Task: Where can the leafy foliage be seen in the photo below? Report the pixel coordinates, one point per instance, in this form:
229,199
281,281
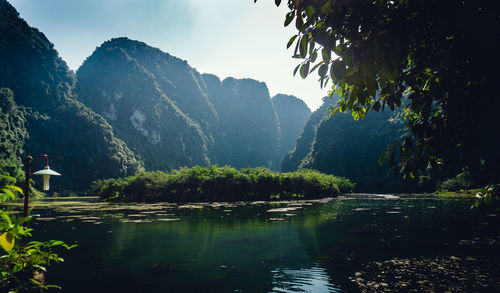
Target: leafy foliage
13,135
435,52
221,184
24,267
490,200
461,181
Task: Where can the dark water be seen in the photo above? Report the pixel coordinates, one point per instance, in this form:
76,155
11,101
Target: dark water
252,247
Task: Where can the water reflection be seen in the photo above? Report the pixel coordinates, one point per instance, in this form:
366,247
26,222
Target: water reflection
314,279
243,247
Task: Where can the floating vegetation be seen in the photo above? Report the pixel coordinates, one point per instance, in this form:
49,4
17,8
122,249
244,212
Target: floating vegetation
442,274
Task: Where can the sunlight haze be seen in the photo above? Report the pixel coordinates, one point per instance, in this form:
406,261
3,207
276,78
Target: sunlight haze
224,37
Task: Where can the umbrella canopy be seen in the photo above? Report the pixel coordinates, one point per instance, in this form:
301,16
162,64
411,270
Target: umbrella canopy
46,176
47,172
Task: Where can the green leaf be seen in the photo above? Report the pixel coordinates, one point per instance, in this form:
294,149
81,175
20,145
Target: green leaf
334,111
338,70
289,17
314,55
312,43
314,67
304,70
303,46
8,193
323,70
277,2
6,218
299,23
326,7
56,242
290,42
16,188
296,69
297,45
310,11
326,54
22,220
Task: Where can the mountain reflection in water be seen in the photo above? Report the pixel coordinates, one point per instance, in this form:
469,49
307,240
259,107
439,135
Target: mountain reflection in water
315,246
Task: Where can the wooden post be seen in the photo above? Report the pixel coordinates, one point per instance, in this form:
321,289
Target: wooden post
29,159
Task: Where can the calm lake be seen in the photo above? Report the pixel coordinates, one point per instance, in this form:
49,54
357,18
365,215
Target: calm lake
336,245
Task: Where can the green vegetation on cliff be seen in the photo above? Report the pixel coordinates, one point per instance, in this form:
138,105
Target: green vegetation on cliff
13,134
116,82
292,160
342,146
200,184
81,142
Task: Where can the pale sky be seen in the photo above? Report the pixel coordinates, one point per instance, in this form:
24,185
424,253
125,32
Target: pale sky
225,37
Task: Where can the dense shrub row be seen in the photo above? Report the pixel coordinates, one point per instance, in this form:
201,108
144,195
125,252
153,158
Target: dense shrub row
200,184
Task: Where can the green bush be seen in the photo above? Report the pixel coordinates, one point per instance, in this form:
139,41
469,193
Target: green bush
221,184
461,181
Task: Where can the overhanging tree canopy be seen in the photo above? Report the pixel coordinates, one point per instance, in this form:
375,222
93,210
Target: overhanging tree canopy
438,53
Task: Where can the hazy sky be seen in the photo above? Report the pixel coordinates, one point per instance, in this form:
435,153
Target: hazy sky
225,37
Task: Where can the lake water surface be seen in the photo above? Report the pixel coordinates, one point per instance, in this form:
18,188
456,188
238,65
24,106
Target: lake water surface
353,243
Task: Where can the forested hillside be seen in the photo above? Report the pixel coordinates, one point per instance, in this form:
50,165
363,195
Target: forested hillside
172,116
82,141
13,134
119,87
345,147
292,160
